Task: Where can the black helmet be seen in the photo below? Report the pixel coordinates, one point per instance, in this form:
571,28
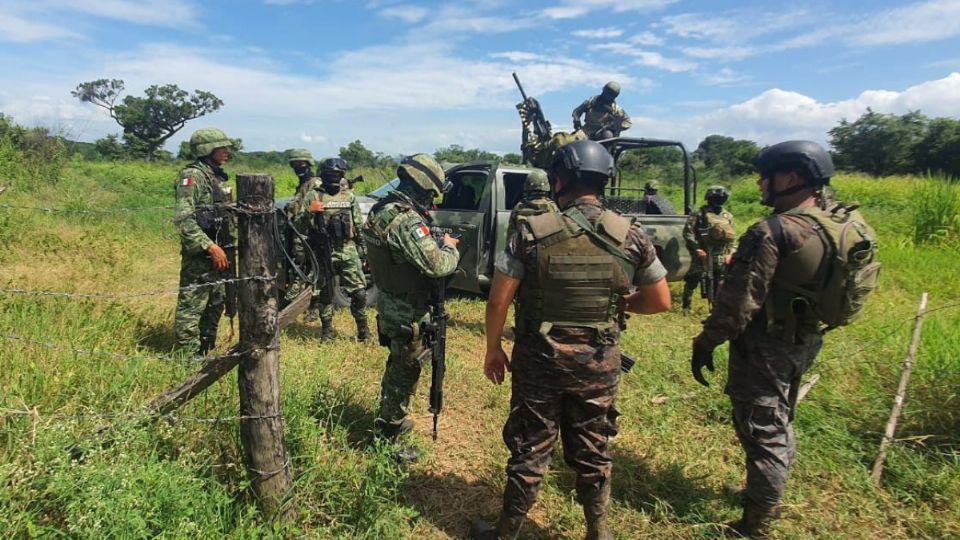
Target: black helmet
717,195
331,165
611,90
806,156
587,160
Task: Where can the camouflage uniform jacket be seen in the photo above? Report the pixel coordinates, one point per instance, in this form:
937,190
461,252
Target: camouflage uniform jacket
530,207
336,204
696,234
399,229
750,280
196,189
600,117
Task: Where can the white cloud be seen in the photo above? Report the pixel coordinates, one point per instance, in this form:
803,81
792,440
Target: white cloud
571,9
308,138
648,39
18,30
725,77
647,58
599,33
406,13
919,22
173,13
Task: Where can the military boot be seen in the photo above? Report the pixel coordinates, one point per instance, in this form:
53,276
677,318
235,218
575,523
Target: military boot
595,512
508,528
358,305
755,523
313,312
687,297
363,330
326,332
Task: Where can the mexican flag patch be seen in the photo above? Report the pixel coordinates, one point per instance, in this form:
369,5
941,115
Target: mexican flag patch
421,231
186,182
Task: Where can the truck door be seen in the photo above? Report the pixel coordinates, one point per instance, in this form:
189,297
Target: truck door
465,210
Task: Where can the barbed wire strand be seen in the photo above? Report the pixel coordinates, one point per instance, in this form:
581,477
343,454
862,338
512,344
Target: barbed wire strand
35,413
116,296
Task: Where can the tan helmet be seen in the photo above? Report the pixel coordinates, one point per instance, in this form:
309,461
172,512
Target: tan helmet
425,172
205,140
300,154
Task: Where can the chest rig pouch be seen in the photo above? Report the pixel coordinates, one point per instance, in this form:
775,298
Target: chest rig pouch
212,219
581,269
339,220
397,277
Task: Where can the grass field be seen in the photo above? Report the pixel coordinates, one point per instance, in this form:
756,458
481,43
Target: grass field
69,367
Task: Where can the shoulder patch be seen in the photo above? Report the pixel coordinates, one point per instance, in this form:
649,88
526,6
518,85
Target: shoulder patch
420,230
186,181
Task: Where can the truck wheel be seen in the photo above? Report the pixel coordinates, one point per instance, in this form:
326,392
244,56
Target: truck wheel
342,299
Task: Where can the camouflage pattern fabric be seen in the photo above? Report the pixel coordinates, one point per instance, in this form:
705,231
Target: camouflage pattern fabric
198,311
766,363
695,239
564,382
540,153
407,238
600,117
346,255
530,207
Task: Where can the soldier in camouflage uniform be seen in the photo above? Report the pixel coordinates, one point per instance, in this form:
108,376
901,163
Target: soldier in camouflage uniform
331,215
709,234
206,236
570,273
301,161
536,199
604,118
404,259
538,149
774,334
653,203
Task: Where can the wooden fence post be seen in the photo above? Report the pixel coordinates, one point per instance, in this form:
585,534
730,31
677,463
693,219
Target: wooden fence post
891,428
261,424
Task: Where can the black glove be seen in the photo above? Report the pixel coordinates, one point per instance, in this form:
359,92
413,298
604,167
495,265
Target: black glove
576,124
702,357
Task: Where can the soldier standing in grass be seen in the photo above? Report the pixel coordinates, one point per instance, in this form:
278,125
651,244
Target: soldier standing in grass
206,238
570,272
332,212
770,309
404,261
301,161
604,118
709,234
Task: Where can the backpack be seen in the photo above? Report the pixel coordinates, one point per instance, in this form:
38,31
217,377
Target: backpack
852,270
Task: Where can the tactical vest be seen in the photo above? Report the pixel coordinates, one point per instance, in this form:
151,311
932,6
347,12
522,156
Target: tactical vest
338,215
213,219
830,277
397,277
716,231
581,270
536,206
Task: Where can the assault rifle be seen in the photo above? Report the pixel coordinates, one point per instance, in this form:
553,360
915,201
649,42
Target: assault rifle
229,245
434,336
541,128
626,362
712,277
320,242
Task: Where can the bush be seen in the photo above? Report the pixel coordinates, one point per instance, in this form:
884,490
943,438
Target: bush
936,213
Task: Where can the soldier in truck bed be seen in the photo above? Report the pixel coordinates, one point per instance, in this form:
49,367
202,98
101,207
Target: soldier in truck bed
604,118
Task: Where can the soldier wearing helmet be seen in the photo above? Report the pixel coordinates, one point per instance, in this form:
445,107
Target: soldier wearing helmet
773,332
330,217
535,199
604,118
709,234
405,259
570,271
653,203
206,238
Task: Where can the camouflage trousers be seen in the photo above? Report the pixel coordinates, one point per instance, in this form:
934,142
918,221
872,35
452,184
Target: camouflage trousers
398,326
198,310
763,380
563,385
348,266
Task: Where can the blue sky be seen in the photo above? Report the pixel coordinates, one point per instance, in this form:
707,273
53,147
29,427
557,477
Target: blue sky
409,76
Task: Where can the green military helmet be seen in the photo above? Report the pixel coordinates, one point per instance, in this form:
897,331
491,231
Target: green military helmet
300,154
425,172
652,186
611,90
536,183
205,140
717,195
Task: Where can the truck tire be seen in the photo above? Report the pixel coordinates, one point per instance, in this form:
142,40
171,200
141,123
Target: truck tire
342,300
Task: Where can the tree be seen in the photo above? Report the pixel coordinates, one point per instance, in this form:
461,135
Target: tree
457,154
512,157
727,156
358,155
109,148
939,148
148,121
879,144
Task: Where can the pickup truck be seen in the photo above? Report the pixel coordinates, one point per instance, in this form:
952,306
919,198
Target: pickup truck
483,194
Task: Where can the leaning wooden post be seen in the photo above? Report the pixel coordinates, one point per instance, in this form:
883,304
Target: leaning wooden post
261,424
901,393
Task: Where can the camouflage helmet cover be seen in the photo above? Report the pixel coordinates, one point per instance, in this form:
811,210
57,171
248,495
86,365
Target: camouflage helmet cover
536,182
611,90
300,154
717,194
205,140
425,172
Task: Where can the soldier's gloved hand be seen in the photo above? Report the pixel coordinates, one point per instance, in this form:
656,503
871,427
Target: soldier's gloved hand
701,253
702,358
576,123
218,257
316,206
